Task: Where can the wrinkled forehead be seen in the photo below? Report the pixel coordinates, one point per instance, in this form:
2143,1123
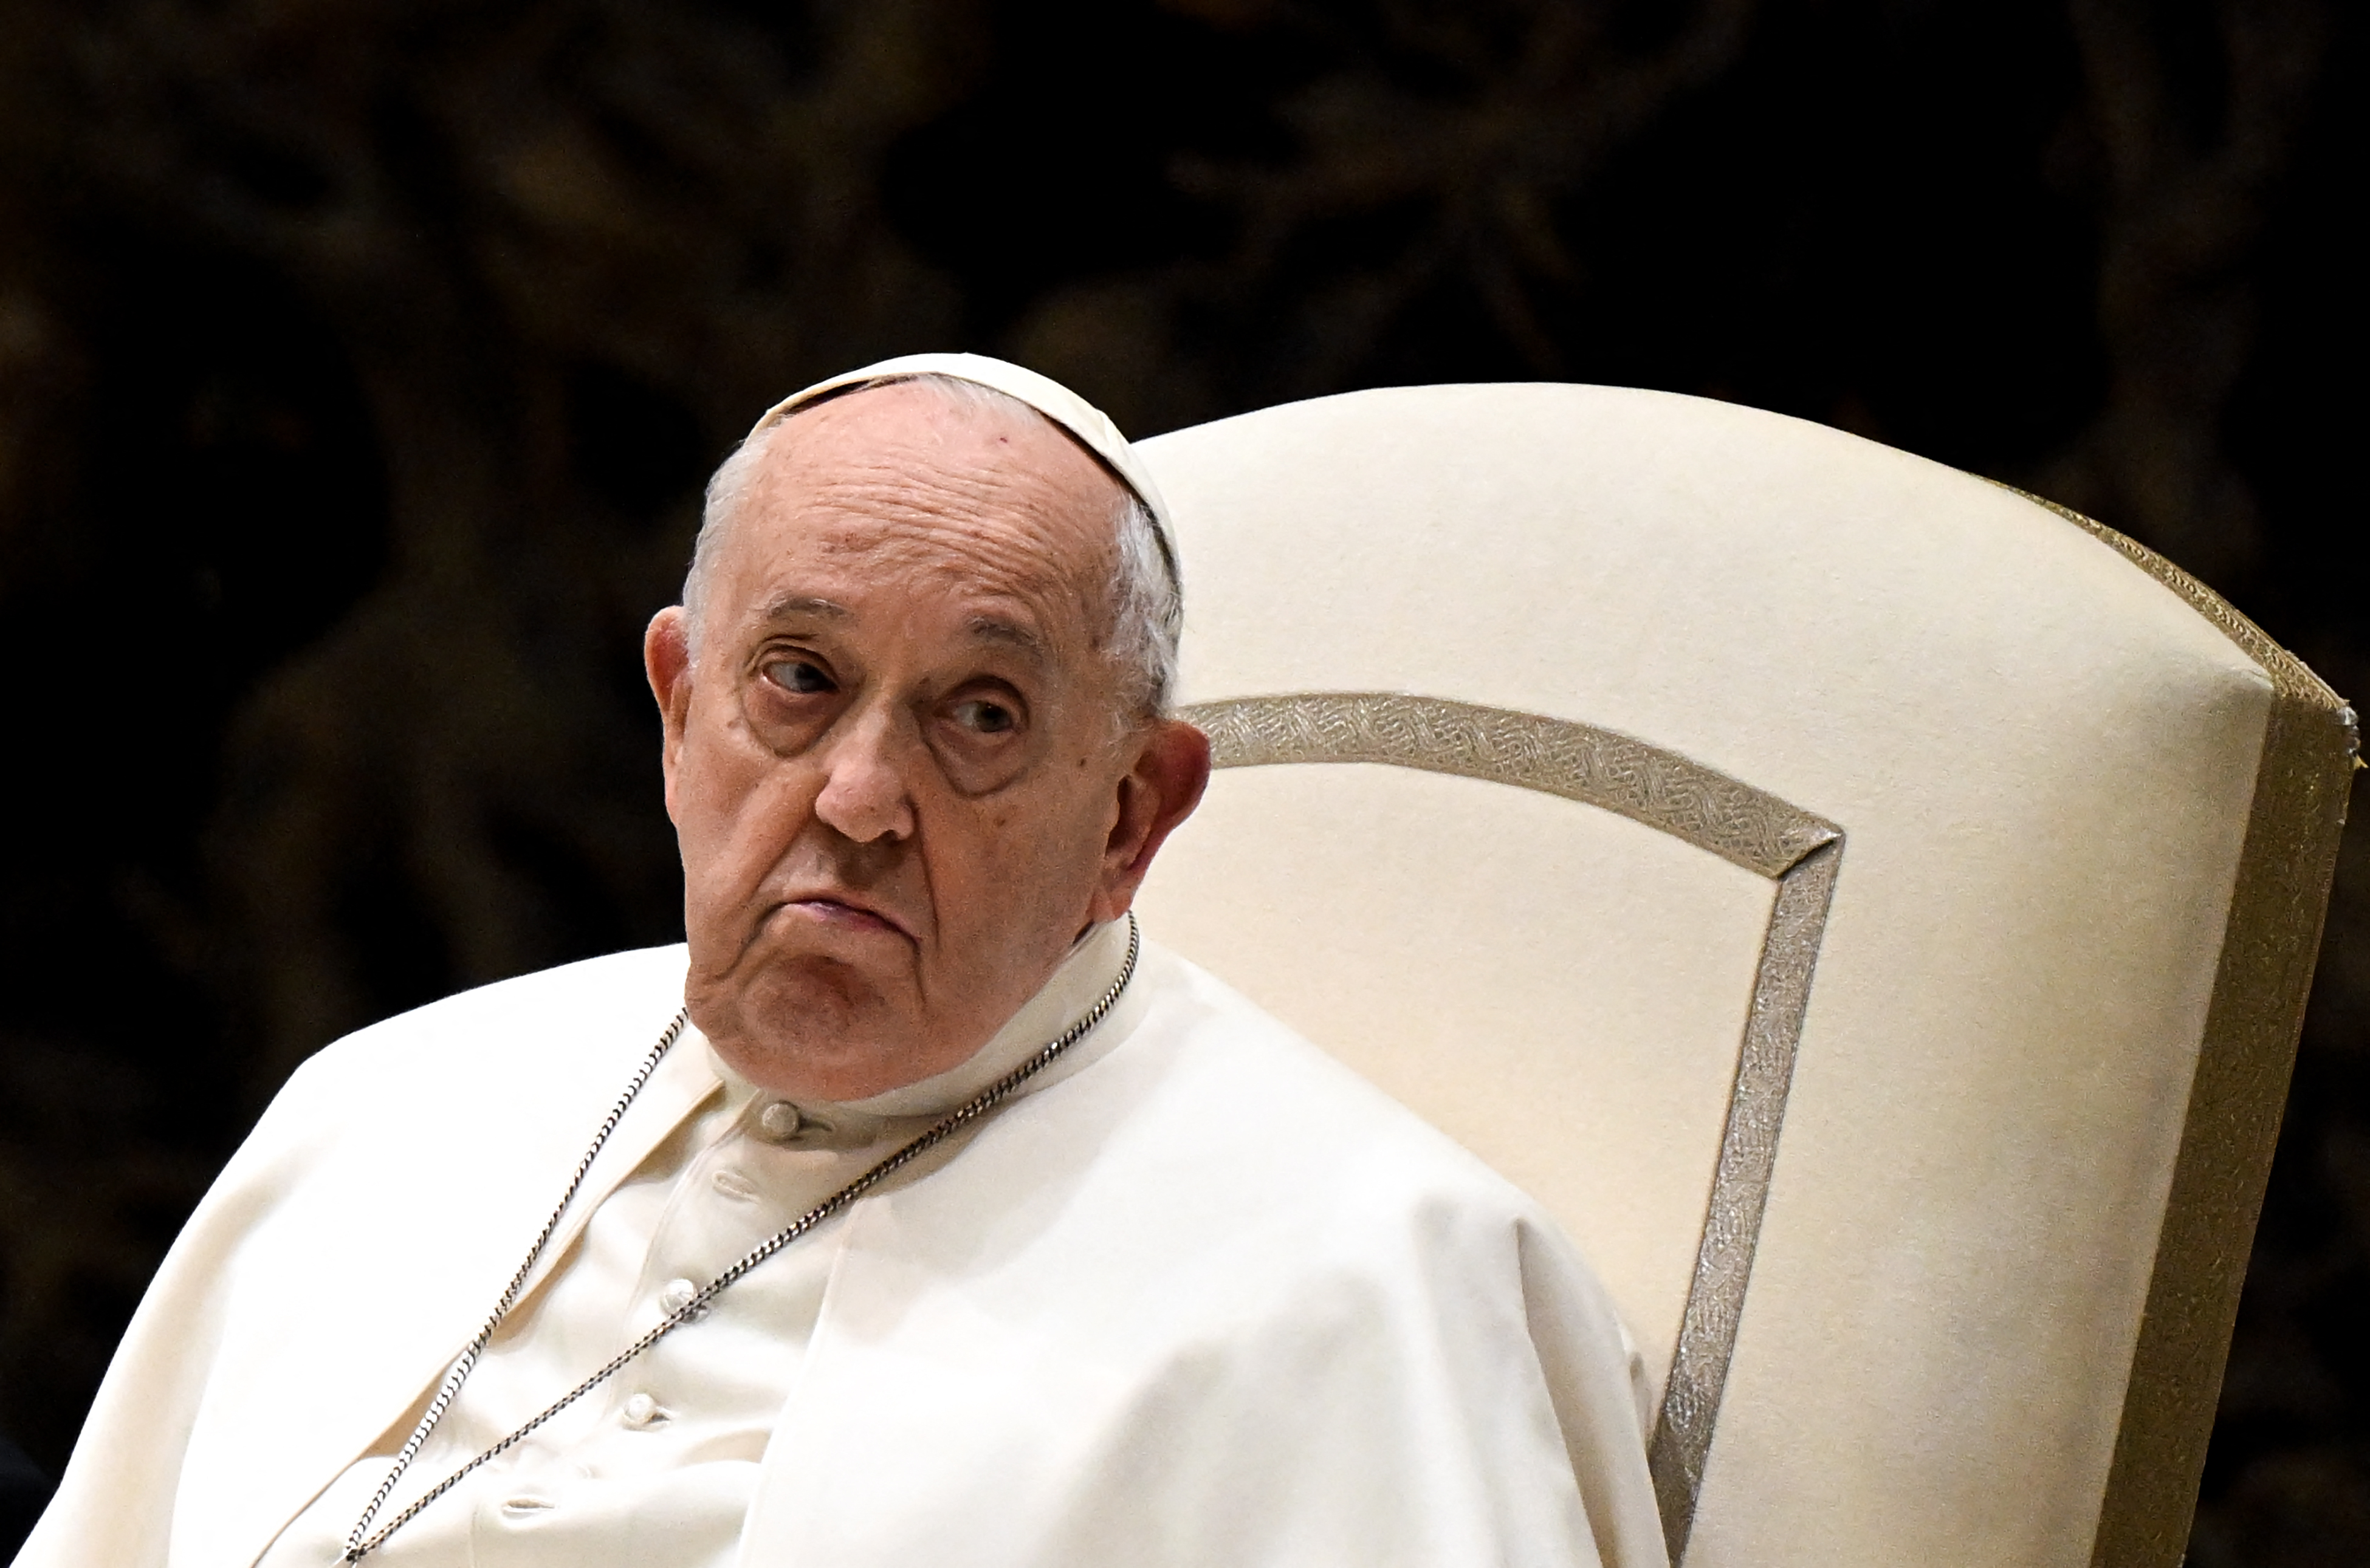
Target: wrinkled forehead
906,484
951,428
966,461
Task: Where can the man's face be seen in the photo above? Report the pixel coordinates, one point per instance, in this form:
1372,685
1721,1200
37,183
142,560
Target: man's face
895,758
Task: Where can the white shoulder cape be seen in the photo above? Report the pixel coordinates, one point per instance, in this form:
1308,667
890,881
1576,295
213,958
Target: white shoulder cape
1209,1300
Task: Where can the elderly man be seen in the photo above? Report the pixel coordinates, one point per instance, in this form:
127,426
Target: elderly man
948,1223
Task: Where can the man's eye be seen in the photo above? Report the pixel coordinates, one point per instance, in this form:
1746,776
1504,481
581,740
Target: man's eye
984,718
799,675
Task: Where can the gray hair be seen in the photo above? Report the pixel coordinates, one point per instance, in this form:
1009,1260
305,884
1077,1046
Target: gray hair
1147,606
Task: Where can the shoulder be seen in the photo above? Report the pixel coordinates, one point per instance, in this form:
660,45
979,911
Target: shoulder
550,1021
559,1038
1236,1079
1247,1151
1212,1191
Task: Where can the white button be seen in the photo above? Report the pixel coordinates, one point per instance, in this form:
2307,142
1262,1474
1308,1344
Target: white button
640,1411
780,1120
735,1186
677,1294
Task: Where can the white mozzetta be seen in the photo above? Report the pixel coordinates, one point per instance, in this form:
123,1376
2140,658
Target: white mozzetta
1199,1296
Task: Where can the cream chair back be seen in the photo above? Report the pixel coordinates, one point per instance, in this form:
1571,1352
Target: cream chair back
1871,908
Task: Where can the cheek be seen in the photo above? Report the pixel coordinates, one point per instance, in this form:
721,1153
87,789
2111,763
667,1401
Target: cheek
1044,851
737,811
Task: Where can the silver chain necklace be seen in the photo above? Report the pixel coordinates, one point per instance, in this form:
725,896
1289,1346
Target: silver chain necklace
359,1543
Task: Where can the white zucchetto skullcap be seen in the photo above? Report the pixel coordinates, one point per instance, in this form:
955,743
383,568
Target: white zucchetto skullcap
1089,424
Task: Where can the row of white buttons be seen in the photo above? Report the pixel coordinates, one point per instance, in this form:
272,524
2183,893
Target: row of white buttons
780,1121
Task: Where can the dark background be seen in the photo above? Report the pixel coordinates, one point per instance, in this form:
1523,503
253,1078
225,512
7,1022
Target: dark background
361,361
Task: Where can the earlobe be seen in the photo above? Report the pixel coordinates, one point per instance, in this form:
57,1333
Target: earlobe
1156,797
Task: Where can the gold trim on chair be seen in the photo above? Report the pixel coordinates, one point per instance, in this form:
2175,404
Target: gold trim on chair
2235,1098
1748,1156
1663,790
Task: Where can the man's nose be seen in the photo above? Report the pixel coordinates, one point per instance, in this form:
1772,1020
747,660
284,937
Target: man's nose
864,794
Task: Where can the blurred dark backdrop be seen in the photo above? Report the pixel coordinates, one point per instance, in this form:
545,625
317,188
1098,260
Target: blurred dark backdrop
361,361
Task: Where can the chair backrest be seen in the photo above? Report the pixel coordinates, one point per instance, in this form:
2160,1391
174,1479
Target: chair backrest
1872,909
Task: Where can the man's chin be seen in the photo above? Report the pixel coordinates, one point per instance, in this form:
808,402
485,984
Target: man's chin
809,1029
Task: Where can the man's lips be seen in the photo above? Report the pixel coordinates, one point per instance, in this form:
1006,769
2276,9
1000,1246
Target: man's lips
846,914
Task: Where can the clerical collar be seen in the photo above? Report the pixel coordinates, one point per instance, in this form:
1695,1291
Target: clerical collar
1080,980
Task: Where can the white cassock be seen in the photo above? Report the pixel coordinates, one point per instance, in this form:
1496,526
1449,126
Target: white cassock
1198,1295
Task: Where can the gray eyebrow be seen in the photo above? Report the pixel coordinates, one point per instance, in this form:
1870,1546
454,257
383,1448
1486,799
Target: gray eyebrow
791,605
996,629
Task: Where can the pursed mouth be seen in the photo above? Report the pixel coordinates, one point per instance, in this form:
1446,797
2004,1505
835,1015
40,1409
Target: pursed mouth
846,914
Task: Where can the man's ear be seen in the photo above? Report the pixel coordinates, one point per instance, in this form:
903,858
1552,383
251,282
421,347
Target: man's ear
666,659
1172,769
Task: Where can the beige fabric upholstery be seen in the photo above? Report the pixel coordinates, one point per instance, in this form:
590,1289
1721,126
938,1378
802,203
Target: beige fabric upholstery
1927,1203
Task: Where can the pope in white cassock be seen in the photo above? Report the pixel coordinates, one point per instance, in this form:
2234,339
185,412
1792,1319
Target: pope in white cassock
951,1223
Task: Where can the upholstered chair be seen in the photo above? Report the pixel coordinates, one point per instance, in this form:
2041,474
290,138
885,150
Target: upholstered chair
1872,908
